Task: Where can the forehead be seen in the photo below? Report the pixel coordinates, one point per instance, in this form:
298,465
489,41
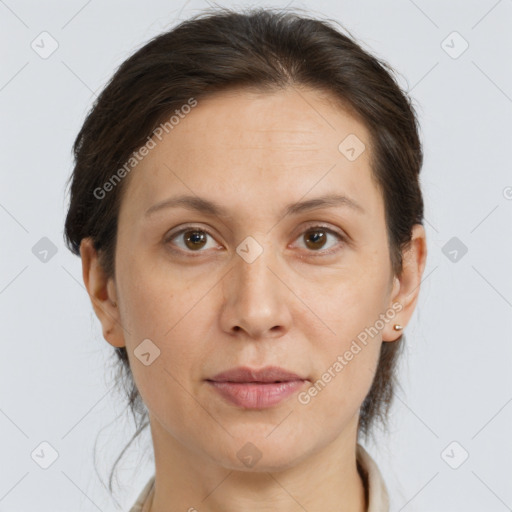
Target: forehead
280,120
247,145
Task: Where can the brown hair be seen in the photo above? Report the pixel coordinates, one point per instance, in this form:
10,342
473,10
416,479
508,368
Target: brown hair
267,49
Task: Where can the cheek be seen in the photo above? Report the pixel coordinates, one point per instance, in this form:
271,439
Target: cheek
157,298
352,303
353,310
164,312
343,381
166,306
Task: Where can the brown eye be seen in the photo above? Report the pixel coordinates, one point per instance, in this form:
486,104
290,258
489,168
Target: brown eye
315,239
190,239
195,239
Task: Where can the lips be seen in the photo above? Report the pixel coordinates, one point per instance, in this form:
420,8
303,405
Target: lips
256,389
267,374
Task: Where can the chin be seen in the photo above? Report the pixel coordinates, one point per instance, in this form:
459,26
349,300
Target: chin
267,464
257,454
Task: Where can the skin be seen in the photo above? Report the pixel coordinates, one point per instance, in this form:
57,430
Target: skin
292,307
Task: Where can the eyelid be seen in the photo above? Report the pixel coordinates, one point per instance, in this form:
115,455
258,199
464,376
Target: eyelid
341,236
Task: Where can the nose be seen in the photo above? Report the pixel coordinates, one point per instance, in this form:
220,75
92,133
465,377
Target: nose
256,301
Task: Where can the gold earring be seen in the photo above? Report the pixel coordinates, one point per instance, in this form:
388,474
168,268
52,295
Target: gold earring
397,327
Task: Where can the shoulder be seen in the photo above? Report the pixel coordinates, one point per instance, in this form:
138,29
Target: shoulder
138,506
377,493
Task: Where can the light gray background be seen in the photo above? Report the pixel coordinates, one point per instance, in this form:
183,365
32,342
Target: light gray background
456,372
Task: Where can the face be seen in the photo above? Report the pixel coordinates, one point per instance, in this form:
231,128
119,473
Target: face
250,286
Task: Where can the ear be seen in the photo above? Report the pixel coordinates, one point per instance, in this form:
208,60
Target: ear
406,287
102,292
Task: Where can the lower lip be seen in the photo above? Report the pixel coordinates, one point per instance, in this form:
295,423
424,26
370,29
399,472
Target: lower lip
254,395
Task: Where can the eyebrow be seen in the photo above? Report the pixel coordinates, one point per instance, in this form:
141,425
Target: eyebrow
199,204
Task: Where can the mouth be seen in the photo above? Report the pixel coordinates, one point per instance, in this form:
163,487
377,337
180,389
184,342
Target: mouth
256,389
269,374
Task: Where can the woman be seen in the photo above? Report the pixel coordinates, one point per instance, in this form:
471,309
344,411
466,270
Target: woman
247,207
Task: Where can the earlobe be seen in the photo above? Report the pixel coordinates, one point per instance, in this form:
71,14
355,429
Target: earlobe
102,292
406,292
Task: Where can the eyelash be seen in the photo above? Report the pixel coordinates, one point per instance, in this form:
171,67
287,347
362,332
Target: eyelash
318,227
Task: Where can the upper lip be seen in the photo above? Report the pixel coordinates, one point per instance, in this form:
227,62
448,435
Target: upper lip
246,374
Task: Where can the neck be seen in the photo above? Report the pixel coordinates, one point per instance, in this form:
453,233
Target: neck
325,480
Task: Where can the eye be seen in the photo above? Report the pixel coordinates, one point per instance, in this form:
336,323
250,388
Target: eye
195,238
316,238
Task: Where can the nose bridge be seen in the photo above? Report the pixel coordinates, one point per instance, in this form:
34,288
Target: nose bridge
254,298
252,265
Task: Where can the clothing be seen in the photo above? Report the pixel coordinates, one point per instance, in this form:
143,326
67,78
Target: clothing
375,487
